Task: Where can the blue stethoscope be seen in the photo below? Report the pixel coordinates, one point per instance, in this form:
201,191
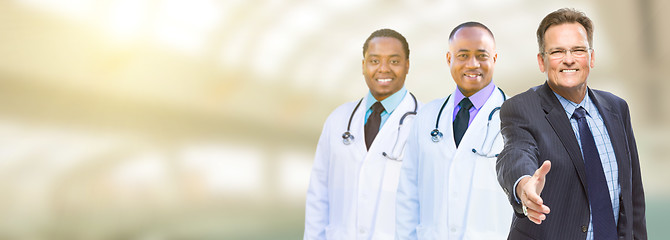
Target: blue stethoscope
436,135
347,137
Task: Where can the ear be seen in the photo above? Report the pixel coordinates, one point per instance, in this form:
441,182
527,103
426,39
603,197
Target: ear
363,66
593,59
495,57
449,58
540,61
407,64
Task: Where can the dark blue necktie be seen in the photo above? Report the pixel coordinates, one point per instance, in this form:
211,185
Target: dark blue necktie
602,215
373,124
462,119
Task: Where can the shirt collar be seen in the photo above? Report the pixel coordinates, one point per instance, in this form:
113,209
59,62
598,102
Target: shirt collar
479,98
390,103
571,106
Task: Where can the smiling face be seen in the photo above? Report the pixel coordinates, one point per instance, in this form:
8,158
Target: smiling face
472,58
385,66
566,76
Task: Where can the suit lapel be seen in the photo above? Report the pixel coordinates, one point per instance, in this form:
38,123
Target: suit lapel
561,124
615,130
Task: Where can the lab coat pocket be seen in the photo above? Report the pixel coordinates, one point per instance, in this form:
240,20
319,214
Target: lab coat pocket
492,216
385,222
485,174
391,176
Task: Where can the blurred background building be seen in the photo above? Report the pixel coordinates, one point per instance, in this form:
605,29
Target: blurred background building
174,119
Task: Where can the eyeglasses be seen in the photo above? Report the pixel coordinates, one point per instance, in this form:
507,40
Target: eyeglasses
560,53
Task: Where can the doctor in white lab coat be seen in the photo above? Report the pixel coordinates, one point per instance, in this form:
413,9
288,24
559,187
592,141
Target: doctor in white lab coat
449,190
352,188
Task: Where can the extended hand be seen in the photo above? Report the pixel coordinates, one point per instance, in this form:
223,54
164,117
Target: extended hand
529,189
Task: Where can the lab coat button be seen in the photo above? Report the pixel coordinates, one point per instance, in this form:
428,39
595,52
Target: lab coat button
453,229
361,231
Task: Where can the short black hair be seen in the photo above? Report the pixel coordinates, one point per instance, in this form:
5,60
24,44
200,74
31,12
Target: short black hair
385,32
470,24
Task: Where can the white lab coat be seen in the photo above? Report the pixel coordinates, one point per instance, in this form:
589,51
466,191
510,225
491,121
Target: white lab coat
352,191
449,193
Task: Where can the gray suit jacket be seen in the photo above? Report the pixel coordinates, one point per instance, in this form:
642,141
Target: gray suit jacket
535,128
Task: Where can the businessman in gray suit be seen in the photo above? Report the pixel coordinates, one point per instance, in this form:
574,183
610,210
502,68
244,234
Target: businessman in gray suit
570,166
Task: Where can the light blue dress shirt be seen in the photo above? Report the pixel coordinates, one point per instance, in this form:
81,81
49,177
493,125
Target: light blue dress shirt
390,104
604,146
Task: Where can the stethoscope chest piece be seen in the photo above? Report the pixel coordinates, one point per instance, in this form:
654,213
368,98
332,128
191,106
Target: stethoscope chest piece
436,135
347,138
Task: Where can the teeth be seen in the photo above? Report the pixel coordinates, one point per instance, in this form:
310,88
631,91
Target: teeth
472,75
569,70
384,80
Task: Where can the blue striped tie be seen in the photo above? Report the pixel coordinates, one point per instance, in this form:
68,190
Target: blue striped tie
596,184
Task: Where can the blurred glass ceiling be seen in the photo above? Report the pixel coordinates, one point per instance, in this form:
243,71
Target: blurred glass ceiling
264,73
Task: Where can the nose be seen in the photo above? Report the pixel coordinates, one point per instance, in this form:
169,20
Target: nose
384,66
472,62
569,59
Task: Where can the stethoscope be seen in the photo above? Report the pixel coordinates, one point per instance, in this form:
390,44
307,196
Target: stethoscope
347,137
436,135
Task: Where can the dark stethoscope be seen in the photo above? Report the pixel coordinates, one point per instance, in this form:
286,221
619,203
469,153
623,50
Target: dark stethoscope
436,135
347,137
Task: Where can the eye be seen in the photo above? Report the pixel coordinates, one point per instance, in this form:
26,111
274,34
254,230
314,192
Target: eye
395,61
579,51
483,56
462,56
557,52
374,61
